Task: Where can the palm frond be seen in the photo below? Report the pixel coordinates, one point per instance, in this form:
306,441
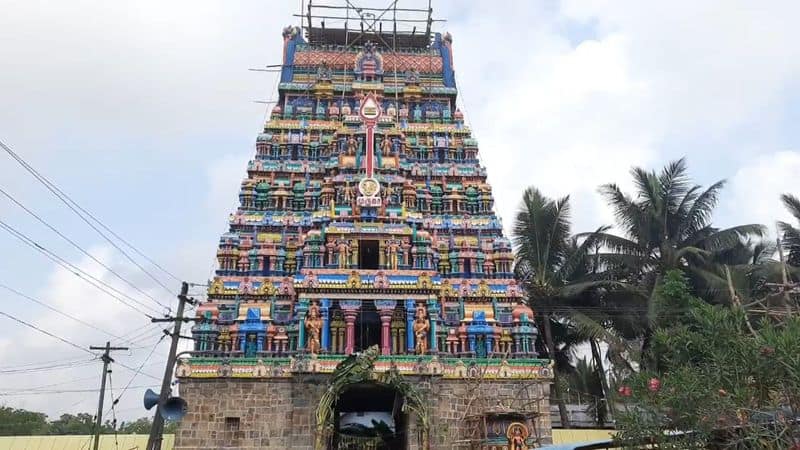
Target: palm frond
731,236
541,232
648,186
674,183
699,215
628,213
580,253
790,235
792,203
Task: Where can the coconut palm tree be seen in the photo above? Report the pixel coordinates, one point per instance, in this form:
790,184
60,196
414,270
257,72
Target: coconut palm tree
554,268
667,223
791,235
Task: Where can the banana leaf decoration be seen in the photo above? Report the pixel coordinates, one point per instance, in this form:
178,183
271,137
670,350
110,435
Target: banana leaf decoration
358,368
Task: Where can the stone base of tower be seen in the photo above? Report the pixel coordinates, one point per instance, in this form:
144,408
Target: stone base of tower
280,413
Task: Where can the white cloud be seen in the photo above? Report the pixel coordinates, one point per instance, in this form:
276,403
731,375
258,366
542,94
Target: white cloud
68,293
755,190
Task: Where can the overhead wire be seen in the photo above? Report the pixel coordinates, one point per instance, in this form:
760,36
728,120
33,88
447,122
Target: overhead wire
58,311
79,248
45,368
30,325
138,371
113,410
66,391
75,270
82,213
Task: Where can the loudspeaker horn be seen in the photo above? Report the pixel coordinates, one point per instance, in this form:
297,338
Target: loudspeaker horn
150,399
174,408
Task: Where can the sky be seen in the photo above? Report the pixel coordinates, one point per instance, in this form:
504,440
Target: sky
143,113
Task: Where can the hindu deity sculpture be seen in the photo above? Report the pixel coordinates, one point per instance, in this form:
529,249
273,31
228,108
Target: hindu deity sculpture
343,249
313,329
224,339
352,145
517,434
386,146
421,328
348,192
392,249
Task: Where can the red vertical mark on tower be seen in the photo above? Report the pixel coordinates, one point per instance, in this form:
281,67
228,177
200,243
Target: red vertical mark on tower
370,111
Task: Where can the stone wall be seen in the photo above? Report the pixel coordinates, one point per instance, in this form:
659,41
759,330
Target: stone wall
280,413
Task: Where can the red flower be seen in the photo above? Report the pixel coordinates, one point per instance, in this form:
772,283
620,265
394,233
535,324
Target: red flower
625,391
654,385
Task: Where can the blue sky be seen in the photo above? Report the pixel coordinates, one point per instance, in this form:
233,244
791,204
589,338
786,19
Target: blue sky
143,112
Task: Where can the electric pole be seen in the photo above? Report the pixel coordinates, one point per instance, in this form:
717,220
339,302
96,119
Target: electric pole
106,360
157,430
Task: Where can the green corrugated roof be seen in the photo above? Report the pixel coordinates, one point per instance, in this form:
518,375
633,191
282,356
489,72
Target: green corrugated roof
78,442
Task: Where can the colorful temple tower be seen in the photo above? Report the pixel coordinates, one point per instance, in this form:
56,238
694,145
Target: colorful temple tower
364,273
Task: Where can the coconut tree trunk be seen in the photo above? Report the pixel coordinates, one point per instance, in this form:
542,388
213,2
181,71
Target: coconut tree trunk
551,350
601,375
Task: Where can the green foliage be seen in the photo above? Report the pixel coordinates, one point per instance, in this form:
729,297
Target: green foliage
82,423
721,386
19,422
671,299
790,233
142,426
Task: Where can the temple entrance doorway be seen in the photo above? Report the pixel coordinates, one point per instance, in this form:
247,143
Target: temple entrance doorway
368,416
368,327
368,254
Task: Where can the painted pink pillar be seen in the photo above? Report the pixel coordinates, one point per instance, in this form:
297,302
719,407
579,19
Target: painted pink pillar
386,334
350,331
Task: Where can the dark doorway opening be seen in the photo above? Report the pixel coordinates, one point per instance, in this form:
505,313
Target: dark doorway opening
368,254
368,327
369,416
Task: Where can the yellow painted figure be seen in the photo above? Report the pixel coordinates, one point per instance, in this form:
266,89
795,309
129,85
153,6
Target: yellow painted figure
421,328
313,329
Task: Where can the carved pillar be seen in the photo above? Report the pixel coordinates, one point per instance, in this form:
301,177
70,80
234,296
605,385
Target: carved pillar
350,309
325,307
433,317
386,309
410,306
300,314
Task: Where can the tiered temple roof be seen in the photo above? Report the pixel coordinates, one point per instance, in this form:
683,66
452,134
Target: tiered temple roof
365,219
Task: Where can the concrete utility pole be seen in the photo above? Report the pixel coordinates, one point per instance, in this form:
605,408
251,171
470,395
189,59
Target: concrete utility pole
106,360
157,430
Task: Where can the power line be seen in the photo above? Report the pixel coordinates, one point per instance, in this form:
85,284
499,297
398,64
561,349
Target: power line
80,211
138,371
80,273
23,295
45,368
65,391
59,361
37,388
30,325
74,244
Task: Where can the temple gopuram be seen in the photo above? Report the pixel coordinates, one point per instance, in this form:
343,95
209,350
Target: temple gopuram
365,296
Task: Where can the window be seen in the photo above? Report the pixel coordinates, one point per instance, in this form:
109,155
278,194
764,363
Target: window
368,254
232,424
